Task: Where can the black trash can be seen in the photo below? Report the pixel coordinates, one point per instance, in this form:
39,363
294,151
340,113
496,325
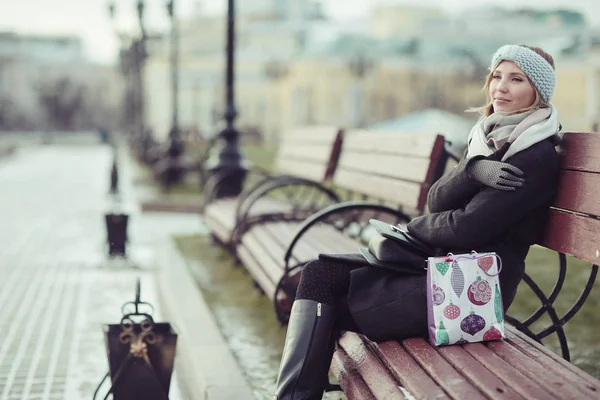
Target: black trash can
116,233
141,354
135,377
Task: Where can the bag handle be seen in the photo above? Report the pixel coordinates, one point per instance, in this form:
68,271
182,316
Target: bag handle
475,256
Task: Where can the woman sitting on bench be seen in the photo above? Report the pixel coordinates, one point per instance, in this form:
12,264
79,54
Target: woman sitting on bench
496,199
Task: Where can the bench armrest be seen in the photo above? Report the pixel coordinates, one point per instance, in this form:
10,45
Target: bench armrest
267,181
302,195
276,183
214,183
343,211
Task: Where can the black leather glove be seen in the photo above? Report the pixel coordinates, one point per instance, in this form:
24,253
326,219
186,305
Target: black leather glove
496,174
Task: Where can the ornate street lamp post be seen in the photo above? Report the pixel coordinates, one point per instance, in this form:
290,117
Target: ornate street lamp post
140,56
133,61
175,142
230,165
127,66
359,66
274,71
171,170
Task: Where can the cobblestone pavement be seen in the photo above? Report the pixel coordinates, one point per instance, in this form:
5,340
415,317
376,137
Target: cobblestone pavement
57,287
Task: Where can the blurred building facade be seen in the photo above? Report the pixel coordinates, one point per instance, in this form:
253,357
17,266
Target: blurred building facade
280,9
32,67
294,70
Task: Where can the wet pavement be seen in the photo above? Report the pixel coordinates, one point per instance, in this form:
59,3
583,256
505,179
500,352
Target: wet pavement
57,287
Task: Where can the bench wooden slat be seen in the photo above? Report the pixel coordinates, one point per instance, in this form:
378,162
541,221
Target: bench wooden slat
479,376
579,191
377,378
395,167
580,151
310,152
577,382
352,383
533,370
220,218
575,235
456,385
272,243
224,210
220,231
311,134
273,238
255,270
517,366
398,143
257,242
263,247
320,240
406,193
312,241
223,206
303,169
323,238
592,383
505,371
283,233
404,168
408,372
307,152
334,241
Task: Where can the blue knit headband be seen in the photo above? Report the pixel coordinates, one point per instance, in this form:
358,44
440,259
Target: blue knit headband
538,70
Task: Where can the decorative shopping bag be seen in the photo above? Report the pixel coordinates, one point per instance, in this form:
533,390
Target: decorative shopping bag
464,303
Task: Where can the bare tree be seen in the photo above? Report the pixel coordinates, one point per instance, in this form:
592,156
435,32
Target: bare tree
62,99
12,117
71,105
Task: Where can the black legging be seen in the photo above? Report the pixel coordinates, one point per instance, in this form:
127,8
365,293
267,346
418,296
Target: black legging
328,282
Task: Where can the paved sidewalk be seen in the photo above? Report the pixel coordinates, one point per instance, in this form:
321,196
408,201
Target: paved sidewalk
57,287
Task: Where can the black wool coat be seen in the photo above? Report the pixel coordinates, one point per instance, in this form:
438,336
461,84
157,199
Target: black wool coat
464,216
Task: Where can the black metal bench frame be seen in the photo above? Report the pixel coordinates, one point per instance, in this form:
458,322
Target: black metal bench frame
547,307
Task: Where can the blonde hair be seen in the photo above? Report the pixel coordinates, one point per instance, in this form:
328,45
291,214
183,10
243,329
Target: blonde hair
488,109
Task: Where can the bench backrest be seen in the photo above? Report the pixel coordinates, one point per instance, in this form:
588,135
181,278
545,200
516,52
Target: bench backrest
574,224
309,152
395,167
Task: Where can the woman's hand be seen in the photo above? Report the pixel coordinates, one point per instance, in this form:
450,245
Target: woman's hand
496,174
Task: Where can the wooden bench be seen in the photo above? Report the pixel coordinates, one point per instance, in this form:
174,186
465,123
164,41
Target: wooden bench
518,367
395,170
305,160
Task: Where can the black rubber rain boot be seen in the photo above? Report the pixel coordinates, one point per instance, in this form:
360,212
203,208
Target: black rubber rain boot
306,356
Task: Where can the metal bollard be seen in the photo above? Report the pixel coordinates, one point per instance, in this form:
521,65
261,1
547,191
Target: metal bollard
114,178
116,233
140,354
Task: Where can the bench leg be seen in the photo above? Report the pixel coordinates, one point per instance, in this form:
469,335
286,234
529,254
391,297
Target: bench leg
307,354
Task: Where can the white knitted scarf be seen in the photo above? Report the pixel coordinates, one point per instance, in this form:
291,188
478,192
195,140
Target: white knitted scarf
521,130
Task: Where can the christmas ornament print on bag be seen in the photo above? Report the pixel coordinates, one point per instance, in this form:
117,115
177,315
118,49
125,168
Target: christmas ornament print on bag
443,267
480,292
457,279
464,305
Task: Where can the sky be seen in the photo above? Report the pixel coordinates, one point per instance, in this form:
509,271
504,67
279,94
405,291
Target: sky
90,20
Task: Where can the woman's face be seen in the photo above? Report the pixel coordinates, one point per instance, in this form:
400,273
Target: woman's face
510,89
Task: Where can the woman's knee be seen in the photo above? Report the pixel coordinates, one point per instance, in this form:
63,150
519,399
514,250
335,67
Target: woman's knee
312,270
